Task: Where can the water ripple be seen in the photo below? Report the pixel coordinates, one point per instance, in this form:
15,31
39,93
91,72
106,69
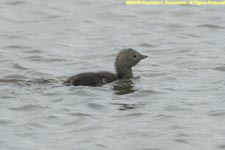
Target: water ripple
79,114
211,26
96,106
146,45
220,68
43,58
35,51
34,124
15,3
218,113
5,122
28,108
222,146
23,47
19,66
181,141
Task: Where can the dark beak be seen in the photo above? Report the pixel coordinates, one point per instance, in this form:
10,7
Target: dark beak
143,56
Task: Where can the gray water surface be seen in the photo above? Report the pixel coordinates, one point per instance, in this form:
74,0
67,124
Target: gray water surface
175,102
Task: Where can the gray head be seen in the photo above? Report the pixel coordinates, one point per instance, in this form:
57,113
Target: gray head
125,60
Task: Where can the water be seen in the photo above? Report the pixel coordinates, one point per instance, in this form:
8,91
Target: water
176,100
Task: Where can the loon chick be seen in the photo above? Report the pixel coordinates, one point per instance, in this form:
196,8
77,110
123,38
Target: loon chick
125,60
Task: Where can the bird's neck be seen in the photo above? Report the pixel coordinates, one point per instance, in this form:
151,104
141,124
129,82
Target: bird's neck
124,72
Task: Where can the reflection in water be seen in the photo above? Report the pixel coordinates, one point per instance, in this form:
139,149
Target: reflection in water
124,86
123,106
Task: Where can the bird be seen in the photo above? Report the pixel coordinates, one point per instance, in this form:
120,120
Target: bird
125,60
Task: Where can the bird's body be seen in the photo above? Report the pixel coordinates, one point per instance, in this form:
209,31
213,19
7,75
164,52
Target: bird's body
125,60
92,78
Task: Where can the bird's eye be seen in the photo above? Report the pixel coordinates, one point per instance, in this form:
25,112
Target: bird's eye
135,56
